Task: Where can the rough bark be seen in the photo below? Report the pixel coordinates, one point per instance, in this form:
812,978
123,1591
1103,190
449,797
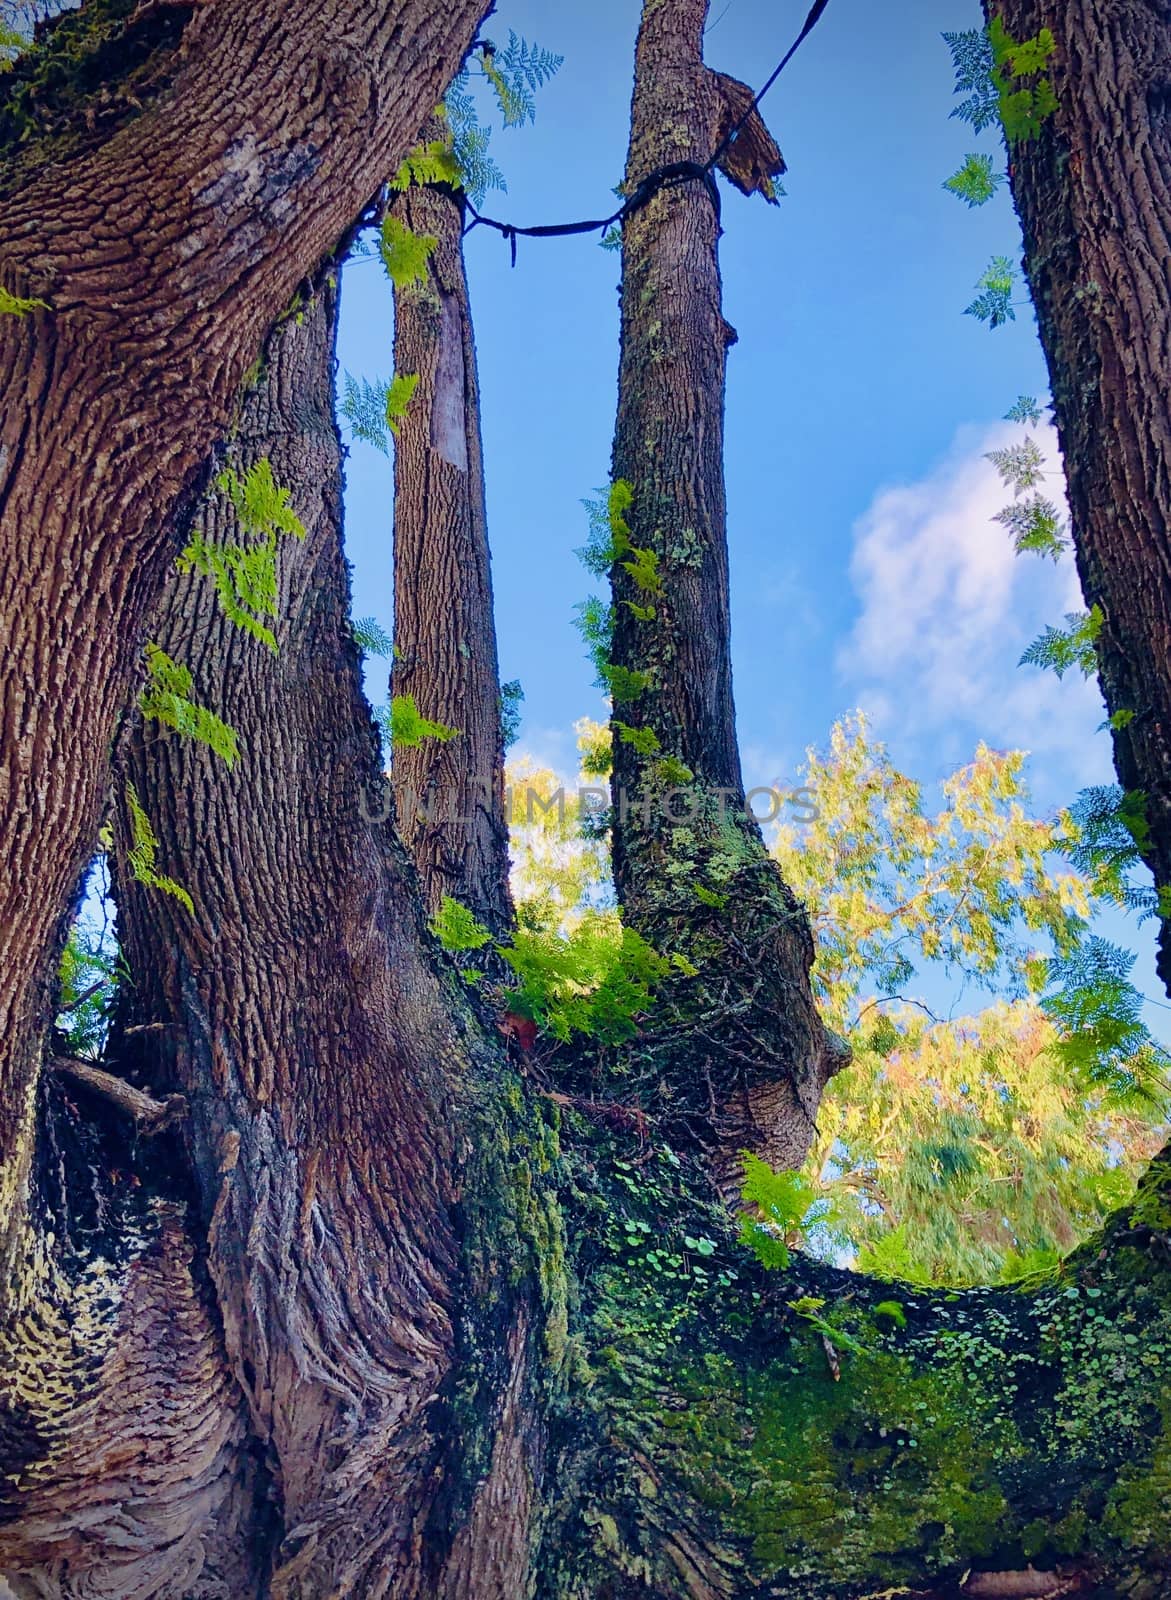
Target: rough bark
371,1269
692,873
1093,190
171,174
449,796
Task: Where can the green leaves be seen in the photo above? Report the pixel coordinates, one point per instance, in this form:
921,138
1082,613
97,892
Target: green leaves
993,304
364,406
398,398
405,254
976,182
783,1208
1021,466
1024,109
371,637
14,305
624,684
1104,1042
407,728
433,163
1036,527
167,699
1025,409
245,576
989,66
643,740
596,980
1063,650
142,856
511,700
457,929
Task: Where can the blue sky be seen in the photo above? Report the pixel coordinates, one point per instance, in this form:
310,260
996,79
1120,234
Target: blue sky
865,566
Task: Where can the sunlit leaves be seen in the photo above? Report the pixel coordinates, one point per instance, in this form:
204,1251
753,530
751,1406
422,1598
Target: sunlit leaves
167,699
407,727
404,253
977,180
1068,649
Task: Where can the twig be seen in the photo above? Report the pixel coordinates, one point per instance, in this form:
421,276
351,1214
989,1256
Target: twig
151,1115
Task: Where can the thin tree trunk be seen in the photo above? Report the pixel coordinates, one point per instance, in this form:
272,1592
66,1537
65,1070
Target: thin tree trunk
165,217
1093,190
449,796
692,873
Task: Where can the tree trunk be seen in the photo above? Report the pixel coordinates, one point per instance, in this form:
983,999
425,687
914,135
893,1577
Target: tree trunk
334,1079
692,872
1093,190
171,174
449,796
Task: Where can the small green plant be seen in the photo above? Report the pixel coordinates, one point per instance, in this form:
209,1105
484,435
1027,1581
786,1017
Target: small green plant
643,740
371,637
457,929
167,699
244,575
15,305
784,1206
511,700
994,303
399,395
432,163
88,978
595,980
405,254
1062,650
143,853
407,728
976,181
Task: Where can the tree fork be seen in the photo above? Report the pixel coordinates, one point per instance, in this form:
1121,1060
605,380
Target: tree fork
164,232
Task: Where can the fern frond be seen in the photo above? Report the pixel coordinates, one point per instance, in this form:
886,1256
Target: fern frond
364,406
405,254
143,853
1062,649
167,699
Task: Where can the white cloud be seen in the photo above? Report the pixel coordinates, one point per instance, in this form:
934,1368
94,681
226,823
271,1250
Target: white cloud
946,609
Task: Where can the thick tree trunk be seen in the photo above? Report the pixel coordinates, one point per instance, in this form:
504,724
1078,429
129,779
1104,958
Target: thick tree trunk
1094,195
333,1078
692,872
370,1260
449,796
171,174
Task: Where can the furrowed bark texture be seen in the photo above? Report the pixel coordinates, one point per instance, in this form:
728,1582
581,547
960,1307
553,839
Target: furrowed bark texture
692,872
449,797
171,173
1094,195
355,1208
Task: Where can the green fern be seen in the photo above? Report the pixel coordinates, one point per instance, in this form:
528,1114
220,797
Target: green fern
167,699
457,929
781,1204
398,398
432,163
976,182
14,305
1060,650
511,700
405,254
1023,110
407,728
624,684
643,740
1026,409
993,304
364,406
1036,527
1021,466
245,576
371,637
143,854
